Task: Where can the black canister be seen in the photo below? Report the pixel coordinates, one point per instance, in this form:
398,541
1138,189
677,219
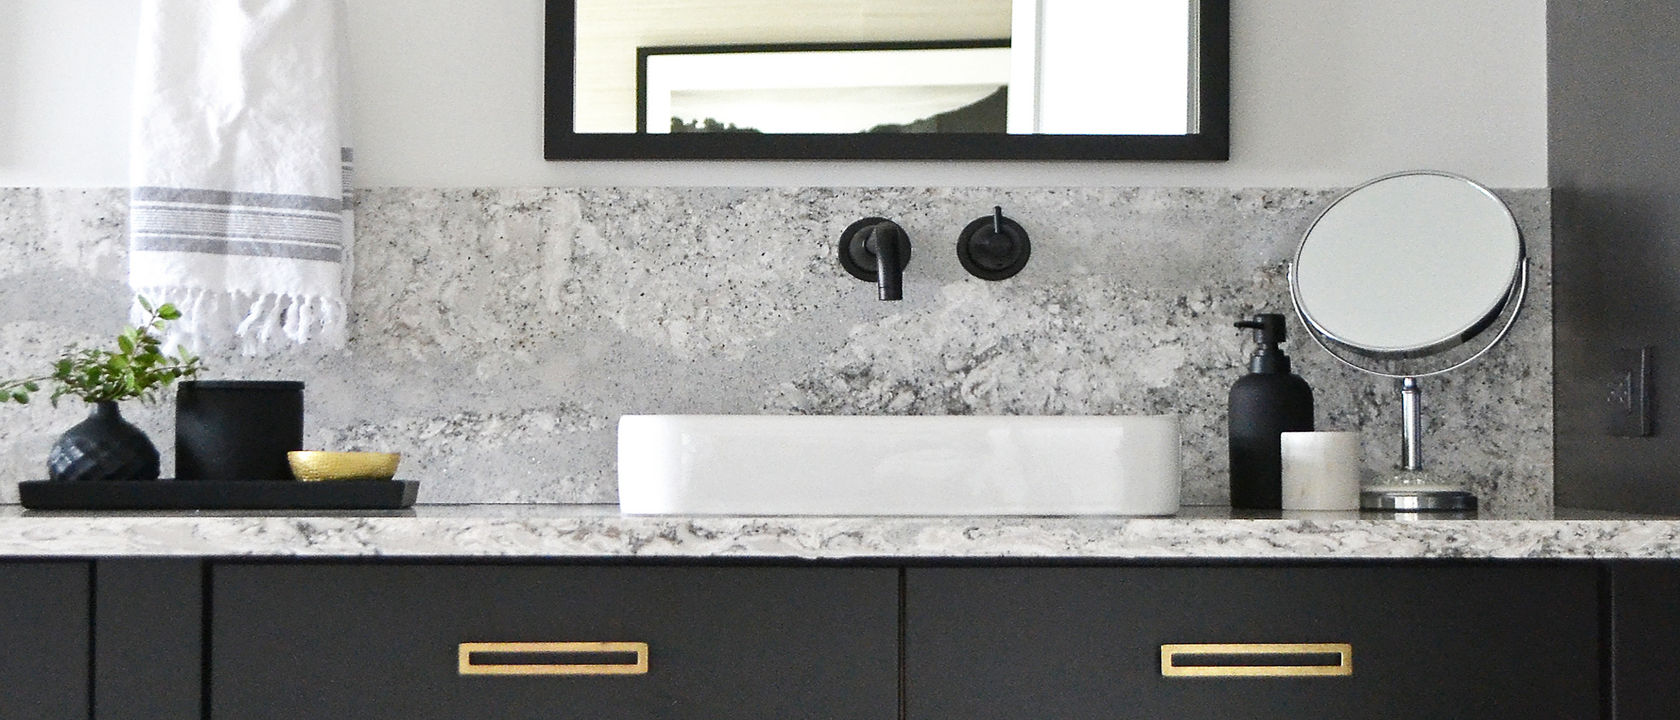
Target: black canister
237,429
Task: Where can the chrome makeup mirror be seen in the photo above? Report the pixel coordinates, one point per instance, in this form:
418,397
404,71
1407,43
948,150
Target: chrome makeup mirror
1402,277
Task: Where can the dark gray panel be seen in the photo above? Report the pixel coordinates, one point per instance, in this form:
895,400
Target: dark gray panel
1078,643
1615,174
148,630
1645,627
44,636
294,642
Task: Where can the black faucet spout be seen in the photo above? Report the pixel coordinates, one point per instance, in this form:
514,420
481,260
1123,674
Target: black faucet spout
877,250
889,274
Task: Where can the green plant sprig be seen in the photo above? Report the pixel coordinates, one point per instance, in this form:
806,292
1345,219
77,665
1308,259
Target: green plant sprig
138,368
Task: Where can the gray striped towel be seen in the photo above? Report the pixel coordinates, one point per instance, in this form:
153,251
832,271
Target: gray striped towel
240,208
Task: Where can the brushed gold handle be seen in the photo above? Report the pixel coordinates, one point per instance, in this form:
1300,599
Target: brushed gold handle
467,666
1256,659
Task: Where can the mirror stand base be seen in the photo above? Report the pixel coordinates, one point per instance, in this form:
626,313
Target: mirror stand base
1412,499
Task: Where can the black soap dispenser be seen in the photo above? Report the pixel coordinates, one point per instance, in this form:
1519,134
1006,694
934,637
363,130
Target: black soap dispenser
1265,403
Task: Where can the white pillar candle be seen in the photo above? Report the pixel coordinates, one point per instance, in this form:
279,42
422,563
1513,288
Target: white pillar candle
1321,470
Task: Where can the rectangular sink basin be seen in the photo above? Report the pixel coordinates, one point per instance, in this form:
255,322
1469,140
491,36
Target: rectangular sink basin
897,465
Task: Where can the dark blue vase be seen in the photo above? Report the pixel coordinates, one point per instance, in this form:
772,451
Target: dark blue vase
103,447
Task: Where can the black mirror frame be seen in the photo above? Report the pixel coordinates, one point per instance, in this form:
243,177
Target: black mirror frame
1210,142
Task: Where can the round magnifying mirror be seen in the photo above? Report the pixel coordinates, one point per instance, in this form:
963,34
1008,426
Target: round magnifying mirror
1395,278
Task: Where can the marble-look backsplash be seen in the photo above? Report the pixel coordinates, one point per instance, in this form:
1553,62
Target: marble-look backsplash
499,333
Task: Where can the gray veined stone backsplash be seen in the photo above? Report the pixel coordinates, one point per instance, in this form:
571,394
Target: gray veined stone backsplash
499,333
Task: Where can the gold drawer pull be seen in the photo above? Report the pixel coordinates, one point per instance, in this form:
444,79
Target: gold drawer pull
1256,660
638,667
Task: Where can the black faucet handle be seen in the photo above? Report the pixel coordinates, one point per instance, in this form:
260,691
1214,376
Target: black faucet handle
993,247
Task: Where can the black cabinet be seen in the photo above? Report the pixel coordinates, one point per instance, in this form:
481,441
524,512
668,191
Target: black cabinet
294,642
1372,642
244,640
44,664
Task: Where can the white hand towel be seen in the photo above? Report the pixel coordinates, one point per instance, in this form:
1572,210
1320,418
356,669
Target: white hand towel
240,171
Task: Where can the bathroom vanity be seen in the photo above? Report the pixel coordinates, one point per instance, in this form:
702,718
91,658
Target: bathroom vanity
522,611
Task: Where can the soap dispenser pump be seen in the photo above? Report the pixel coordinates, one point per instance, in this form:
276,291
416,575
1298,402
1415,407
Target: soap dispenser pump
1265,403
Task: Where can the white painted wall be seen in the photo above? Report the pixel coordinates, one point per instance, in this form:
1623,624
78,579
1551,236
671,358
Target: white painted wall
1325,93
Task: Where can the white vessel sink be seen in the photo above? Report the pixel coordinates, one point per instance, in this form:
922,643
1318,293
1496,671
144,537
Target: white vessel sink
894,465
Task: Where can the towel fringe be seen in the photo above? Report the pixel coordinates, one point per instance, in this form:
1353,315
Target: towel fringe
263,322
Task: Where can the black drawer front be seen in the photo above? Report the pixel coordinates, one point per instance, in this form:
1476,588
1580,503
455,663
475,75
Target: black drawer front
294,642
44,640
1424,642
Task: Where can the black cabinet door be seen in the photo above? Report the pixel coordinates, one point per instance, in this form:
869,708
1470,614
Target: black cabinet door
44,636
1351,642
1645,628
148,638
294,642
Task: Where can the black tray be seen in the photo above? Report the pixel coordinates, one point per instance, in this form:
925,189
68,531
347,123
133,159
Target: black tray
219,495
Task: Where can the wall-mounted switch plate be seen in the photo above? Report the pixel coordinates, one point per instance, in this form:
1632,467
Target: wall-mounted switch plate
1629,392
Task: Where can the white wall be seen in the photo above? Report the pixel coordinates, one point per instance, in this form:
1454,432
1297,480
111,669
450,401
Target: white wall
1325,93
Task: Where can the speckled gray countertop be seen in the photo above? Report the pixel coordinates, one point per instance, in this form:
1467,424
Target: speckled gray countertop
599,531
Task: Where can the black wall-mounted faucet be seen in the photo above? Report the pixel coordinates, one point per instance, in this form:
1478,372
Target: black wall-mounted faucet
993,247
877,250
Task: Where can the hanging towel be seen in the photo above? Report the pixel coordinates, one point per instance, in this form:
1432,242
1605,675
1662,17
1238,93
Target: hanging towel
240,171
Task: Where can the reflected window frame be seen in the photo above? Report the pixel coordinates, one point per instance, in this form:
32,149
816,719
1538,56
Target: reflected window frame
1210,142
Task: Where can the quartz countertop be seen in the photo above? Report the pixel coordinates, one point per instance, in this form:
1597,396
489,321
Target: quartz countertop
600,531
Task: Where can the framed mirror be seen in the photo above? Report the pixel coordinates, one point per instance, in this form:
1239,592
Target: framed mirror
887,79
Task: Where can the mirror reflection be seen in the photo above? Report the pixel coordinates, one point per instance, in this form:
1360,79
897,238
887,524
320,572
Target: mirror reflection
1061,67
